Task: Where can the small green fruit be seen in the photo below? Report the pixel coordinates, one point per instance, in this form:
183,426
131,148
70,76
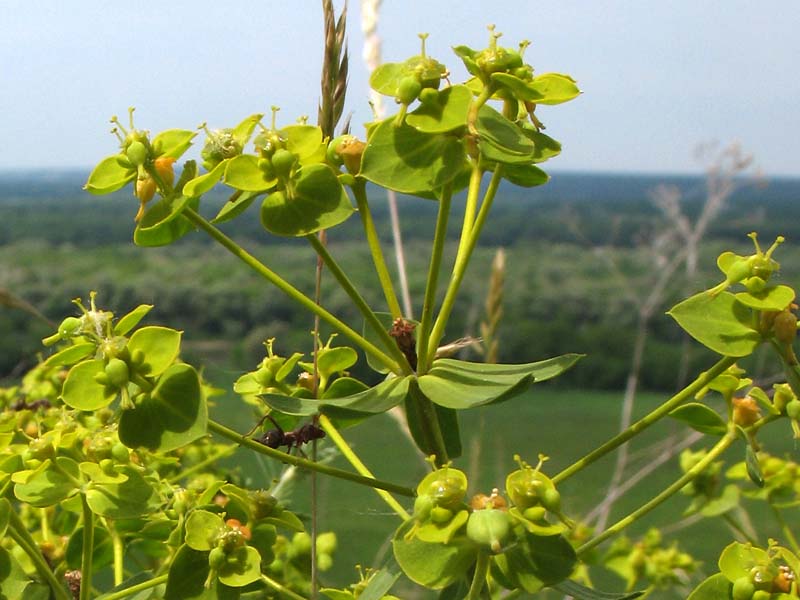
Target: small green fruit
117,371
136,153
326,543
743,589
761,595
263,377
69,327
429,97
534,513
441,515
217,558
793,409
282,163
120,453
408,90
551,500
489,527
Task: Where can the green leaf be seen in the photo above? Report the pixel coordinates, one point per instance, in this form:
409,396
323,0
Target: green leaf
753,466
716,587
71,354
700,418
524,175
432,565
146,594
109,176
203,529
5,515
774,298
173,142
442,533
375,400
243,173
405,160
13,580
245,571
187,574
132,498
547,88
718,322
737,559
95,473
50,483
459,384
318,202
386,78
173,415
727,501
344,386
537,561
501,140
131,320
302,140
202,184
545,147
449,113
334,360
159,345
238,203
381,581
81,391
162,223
580,592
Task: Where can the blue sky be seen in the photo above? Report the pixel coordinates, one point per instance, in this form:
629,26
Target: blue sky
659,78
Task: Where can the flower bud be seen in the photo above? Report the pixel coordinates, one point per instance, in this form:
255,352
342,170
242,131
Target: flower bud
489,527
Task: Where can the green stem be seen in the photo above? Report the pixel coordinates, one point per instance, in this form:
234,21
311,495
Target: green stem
479,578
439,238
737,527
281,589
687,477
139,587
359,466
17,532
787,531
303,463
119,552
389,343
461,263
87,550
428,422
295,294
360,193
646,421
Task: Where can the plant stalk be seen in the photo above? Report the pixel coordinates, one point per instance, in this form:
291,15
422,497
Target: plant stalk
431,285
87,553
281,589
295,294
687,477
228,450
344,282
647,420
462,261
479,578
139,587
359,466
360,193
17,532
303,463
787,531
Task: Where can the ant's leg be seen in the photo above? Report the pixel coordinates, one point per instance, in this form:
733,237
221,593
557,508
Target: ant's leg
261,422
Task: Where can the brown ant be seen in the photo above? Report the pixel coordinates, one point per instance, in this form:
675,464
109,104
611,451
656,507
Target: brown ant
275,438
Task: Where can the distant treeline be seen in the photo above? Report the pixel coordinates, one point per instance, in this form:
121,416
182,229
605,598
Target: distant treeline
57,243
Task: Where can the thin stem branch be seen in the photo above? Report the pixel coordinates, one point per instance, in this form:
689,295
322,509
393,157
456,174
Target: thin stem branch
687,477
87,553
647,420
20,537
360,193
787,531
134,589
431,284
295,294
364,308
359,466
228,450
479,578
281,589
303,463
737,527
460,267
